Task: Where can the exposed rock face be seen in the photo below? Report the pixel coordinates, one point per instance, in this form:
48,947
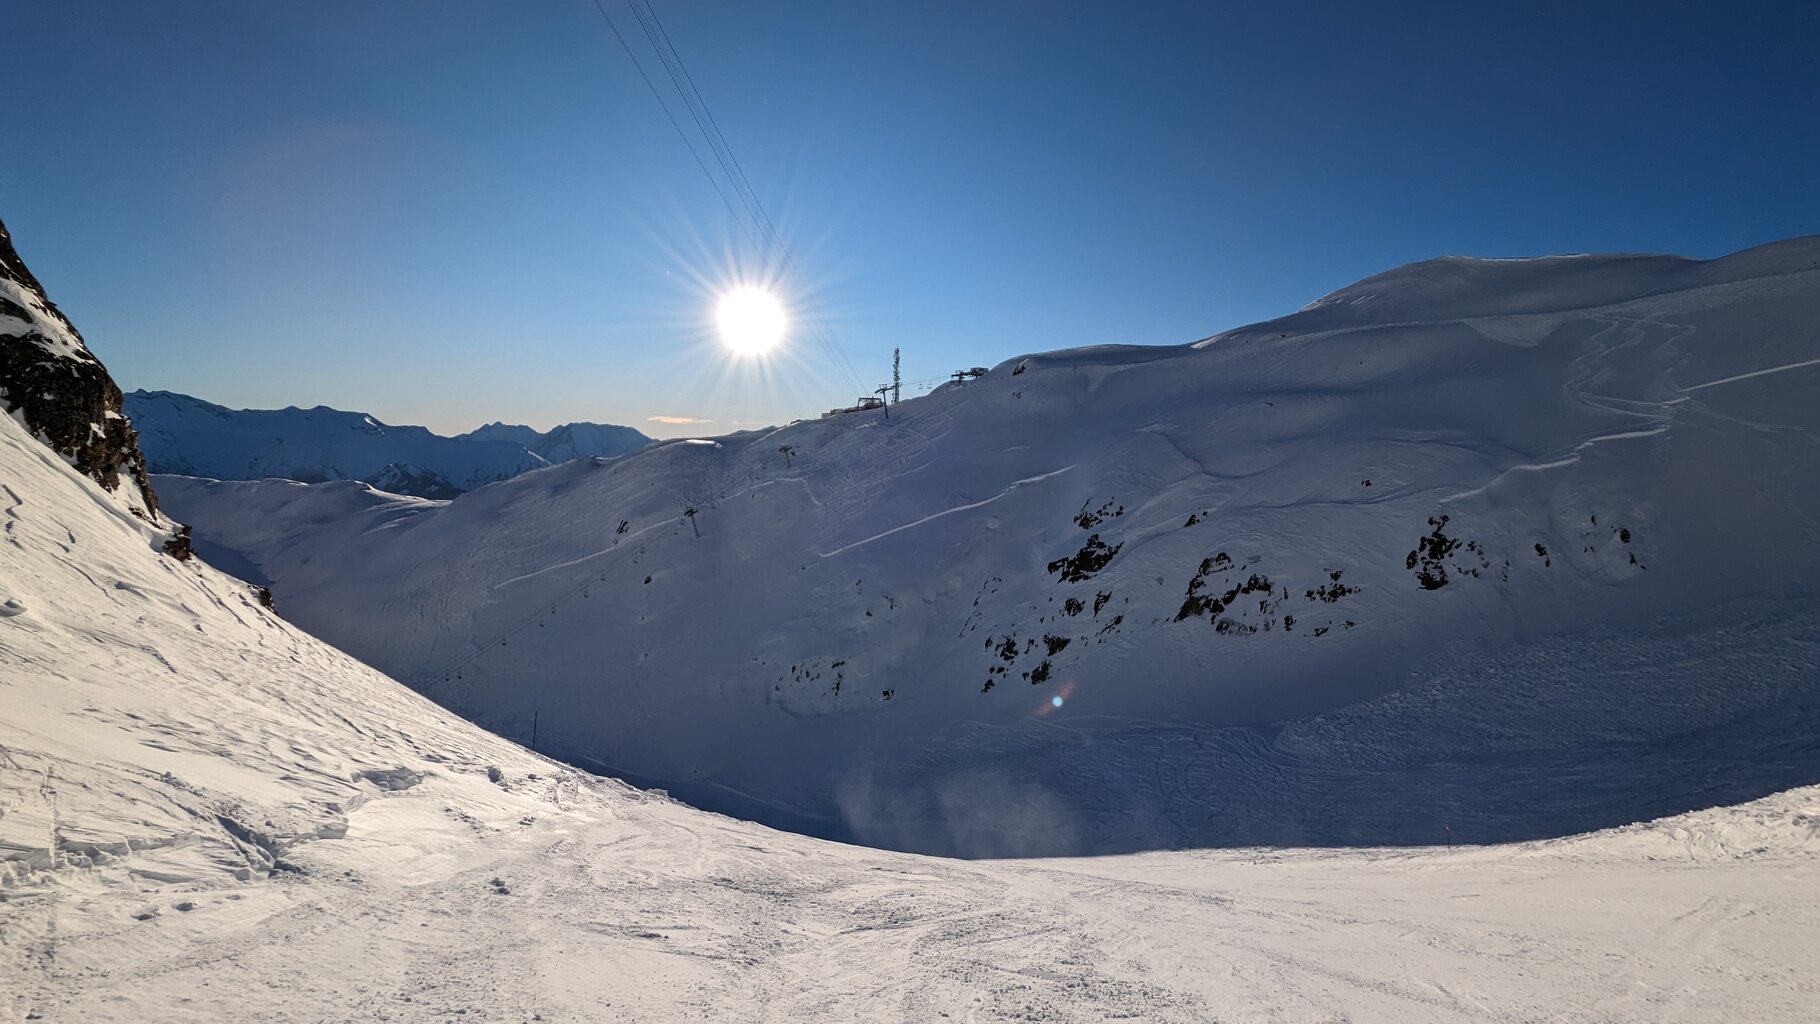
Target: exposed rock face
52,383
179,546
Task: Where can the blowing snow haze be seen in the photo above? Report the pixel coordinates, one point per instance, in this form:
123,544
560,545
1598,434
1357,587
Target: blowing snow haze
946,636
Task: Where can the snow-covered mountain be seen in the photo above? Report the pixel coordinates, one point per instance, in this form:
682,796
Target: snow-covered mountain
208,815
565,442
1391,569
187,435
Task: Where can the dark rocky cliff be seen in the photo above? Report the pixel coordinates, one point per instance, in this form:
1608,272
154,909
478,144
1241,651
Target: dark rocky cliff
50,380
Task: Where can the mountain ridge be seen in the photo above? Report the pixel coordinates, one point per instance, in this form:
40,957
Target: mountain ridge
189,436
565,441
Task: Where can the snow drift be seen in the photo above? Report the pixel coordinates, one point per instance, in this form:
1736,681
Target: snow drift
1379,571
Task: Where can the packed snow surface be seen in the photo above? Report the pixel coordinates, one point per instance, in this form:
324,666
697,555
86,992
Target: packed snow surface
1481,550
208,815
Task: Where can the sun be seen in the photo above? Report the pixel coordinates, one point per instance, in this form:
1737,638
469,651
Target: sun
751,321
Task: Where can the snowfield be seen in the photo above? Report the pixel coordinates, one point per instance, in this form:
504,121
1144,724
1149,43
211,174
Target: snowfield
207,815
1480,550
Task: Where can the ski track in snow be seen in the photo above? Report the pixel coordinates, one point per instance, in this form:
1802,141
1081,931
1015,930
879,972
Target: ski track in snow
1561,463
1660,411
1753,374
948,511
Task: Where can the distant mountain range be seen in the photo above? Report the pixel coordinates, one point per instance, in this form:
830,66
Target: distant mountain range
569,441
187,436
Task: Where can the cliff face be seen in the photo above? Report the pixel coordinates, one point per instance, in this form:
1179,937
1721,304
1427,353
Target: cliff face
57,388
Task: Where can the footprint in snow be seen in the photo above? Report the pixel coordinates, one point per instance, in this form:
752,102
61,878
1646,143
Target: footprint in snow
10,607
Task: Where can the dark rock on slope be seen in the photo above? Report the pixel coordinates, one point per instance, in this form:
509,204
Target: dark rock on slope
61,391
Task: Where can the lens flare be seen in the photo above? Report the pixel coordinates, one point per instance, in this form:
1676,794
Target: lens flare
1047,706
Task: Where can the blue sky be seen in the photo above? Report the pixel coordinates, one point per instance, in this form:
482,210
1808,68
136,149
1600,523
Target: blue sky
448,212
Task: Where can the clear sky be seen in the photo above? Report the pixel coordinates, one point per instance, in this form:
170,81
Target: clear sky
447,212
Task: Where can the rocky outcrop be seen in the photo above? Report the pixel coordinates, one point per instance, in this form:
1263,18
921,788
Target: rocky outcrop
52,383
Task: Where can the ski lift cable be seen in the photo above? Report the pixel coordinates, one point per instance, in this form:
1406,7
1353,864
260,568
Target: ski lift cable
736,173
742,189
665,107
836,356
705,122
679,78
660,41
708,114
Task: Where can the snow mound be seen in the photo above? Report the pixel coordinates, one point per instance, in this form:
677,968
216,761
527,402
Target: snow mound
1465,288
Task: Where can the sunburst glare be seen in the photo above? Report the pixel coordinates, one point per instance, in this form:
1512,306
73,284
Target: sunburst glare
751,321
717,368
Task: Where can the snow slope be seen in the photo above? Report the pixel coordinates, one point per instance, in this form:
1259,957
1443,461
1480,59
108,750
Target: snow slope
207,815
182,434
1496,549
